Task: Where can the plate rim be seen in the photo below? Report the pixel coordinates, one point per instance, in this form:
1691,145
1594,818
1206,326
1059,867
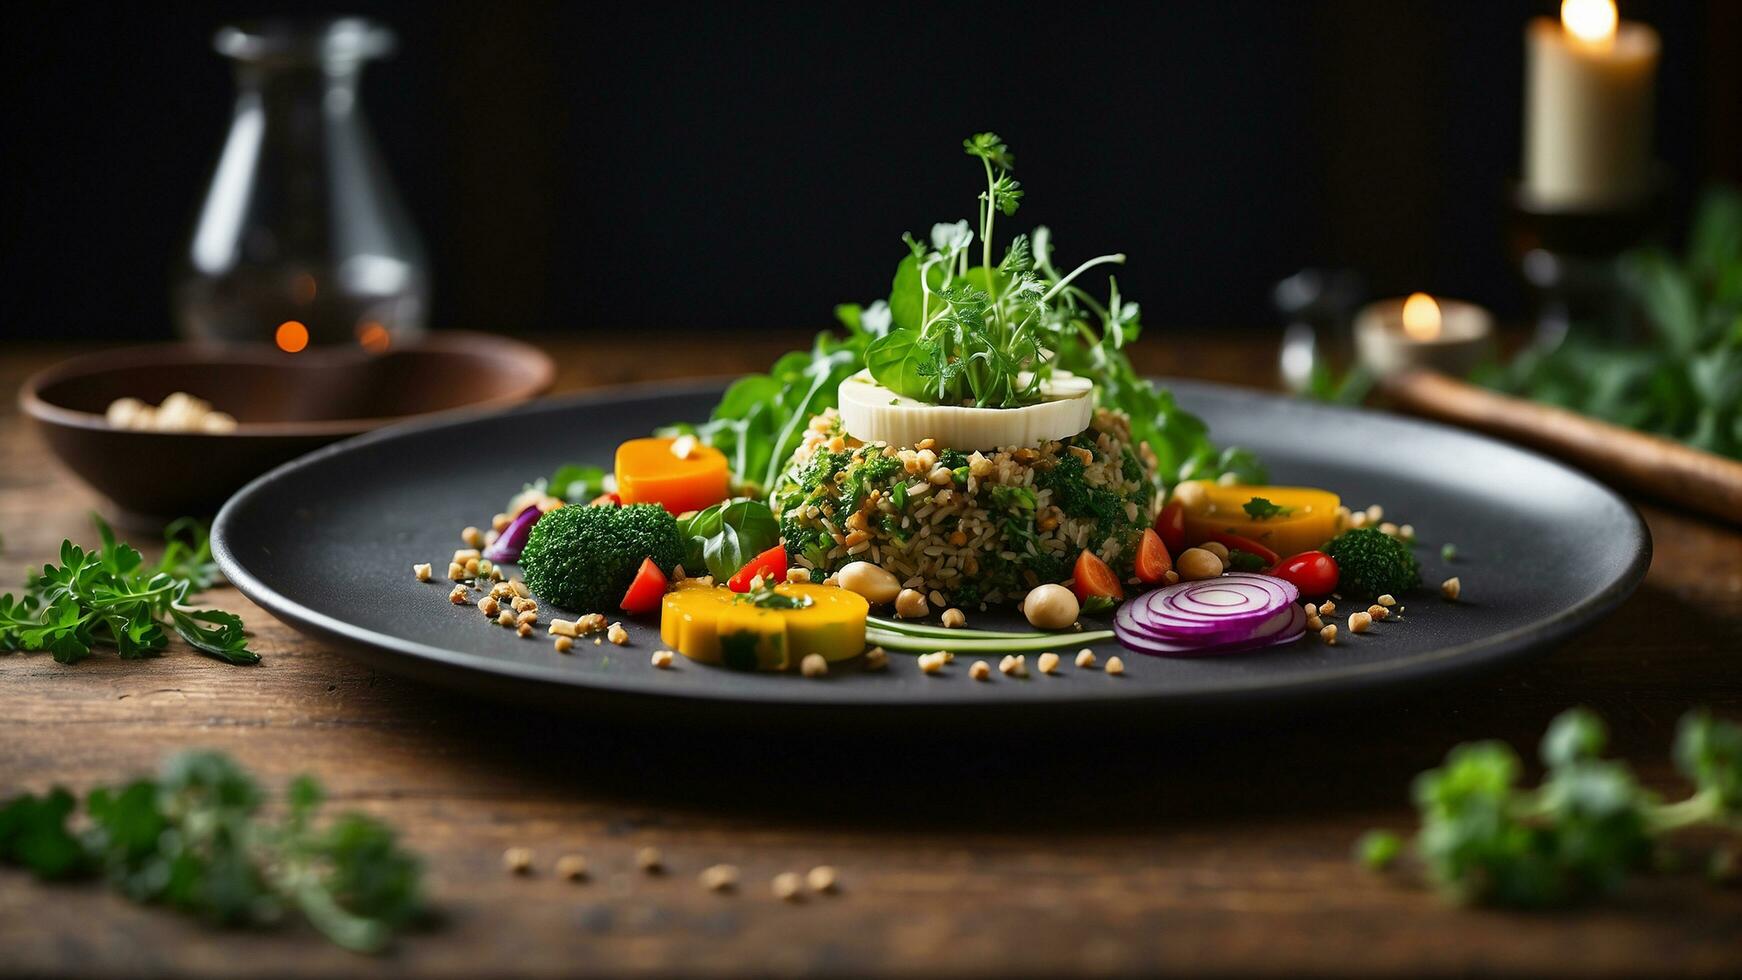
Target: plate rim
1471,657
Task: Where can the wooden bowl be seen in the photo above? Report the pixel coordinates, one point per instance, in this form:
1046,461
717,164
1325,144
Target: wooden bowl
285,405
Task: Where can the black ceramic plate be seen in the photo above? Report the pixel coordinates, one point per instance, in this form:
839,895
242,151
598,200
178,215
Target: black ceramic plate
327,544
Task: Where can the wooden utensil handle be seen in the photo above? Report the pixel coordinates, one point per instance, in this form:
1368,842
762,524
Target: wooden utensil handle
1662,467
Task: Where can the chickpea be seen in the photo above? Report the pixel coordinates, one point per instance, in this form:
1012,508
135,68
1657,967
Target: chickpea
954,619
1195,564
877,585
1051,607
910,604
1218,549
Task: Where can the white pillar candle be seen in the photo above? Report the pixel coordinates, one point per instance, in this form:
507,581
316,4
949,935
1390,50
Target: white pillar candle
1588,107
1395,335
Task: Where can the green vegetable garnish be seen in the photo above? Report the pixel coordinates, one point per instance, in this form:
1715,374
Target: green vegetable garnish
766,598
1448,552
110,597
1260,509
1245,561
575,484
1372,563
727,535
1095,605
584,558
193,839
1484,839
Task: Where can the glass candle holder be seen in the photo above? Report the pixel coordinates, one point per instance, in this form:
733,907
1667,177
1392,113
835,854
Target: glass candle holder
301,238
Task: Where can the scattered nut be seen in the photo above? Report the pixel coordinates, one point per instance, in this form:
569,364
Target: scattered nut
617,634
1359,622
1315,623
459,596
505,618
720,878
421,570
813,665
526,618
1328,608
1048,663
563,627
797,576
1376,612
463,555
590,623
520,588
472,565
1329,633
954,619
822,879
456,571
877,585
571,867
1170,577
488,605
1406,532
936,598
662,659
1451,588
932,663
1388,529
910,604
876,658
500,522
1375,514
787,886
1051,607
980,671
1311,609
564,644
1115,666
523,604
473,537
518,860
1016,666
1086,658
524,630
1387,600
649,860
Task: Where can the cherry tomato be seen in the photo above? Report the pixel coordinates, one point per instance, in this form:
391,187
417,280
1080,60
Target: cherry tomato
1314,573
647,589
1092,577
1153,561
1171,525
1234,542
771,565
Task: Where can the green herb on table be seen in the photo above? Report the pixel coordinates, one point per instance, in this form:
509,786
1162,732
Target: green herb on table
193,839
110,597
1684,379
1484,839
724,537
1261,509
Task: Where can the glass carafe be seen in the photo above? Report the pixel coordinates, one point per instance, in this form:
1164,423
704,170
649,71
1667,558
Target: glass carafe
301,238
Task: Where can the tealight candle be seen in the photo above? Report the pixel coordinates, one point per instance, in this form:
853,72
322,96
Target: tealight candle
1448,335
1589,86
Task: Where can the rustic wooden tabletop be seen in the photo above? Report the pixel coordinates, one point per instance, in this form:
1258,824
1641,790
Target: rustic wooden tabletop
1211,849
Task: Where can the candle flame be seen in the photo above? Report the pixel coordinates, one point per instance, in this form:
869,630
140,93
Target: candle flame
1591,21
1421,317
291,336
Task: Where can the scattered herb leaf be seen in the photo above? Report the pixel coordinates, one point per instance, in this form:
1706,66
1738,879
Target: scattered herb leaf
1261,509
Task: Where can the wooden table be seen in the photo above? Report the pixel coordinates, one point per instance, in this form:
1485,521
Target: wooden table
1201,850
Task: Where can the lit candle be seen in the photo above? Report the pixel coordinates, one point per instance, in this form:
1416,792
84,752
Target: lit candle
1446,335
1588,107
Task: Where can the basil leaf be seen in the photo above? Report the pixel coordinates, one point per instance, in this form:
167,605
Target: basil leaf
726,536
894,360
576,484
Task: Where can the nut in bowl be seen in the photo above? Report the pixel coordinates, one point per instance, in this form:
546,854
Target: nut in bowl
216,417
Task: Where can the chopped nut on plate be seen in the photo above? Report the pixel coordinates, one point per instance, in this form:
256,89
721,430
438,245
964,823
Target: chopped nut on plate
1115,666
421,570
1086,658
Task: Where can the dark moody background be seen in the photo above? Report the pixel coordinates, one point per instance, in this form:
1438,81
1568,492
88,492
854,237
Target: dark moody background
582,167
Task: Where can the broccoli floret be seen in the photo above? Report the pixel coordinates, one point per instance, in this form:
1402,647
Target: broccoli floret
1371,562
583,558
1075,497
952,459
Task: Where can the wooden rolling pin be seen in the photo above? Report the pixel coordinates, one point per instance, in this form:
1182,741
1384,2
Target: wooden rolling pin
1661,467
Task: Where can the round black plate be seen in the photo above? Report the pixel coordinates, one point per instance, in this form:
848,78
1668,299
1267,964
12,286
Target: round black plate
327,544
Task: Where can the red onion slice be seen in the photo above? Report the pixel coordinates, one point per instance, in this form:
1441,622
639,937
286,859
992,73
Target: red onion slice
1232,604
508,544
1284,626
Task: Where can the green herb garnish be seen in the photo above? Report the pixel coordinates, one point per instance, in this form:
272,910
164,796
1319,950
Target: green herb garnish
574,484
1261,509
1245,561
724,537
1448,552
110,597
763,596
1484,839
1095,605
193,839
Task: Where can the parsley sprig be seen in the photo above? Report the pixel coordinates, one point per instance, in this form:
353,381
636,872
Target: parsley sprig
1486,840
110,597
192,839
1262,509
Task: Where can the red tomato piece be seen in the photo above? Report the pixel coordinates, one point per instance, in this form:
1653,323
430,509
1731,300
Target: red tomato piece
1171,525
771,565
647,590
1092,577
1314,573
1153,561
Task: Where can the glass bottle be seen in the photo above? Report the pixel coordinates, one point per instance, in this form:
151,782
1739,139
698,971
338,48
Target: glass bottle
301,238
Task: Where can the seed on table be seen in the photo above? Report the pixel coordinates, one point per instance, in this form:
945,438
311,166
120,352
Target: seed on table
473,537
876,658
459,596
506,618
1376,612
1359,622
524,630
526,618
649,860
617,634
1387,600
1016,666
523,604
518,860
564,644
1451,588
1086,658
520,588
932,663
980,671
563,627
1115,666
1329,633
813,665
571,867
472,567
720,878
1047,662
488,605
456,571
662,659
1311,609
822,879
1315,623
954,619
911,604
421,570
1328,608
787,886
463,555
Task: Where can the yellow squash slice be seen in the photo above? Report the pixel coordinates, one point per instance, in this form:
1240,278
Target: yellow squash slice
713,625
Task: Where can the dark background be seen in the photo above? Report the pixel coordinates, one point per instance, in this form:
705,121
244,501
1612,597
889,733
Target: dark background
587,168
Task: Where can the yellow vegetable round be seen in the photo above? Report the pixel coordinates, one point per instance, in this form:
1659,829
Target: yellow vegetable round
1306,517
717,626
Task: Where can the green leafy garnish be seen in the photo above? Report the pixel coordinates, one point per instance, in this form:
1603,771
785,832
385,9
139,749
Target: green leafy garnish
573,483
724,537
110,597
1448,552
1261,509
764,597
1484,839
1246,561
193,839
1095,605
